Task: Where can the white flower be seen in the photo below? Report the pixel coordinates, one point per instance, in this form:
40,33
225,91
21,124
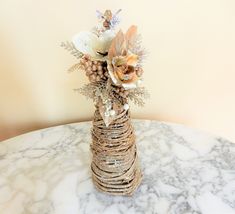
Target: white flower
91,44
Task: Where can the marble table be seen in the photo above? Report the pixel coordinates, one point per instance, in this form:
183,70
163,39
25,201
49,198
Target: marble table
185,171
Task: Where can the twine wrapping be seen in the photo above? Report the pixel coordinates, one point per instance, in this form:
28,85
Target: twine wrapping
115,167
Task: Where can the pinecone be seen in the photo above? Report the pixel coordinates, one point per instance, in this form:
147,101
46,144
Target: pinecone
95,70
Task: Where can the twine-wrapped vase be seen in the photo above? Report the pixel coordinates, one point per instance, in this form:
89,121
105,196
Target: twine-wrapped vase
115,166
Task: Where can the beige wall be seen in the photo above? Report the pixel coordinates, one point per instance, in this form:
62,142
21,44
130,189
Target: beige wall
190,71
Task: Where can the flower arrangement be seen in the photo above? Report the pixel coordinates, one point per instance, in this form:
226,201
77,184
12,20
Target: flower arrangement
112,61
113,64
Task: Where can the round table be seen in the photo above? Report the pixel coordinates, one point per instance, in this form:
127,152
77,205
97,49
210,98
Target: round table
184,171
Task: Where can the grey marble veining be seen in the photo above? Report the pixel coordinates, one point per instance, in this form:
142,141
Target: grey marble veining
185,171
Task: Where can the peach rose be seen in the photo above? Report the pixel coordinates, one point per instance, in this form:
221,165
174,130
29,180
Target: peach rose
121,61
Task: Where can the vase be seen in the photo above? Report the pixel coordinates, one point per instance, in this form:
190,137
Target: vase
115,166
